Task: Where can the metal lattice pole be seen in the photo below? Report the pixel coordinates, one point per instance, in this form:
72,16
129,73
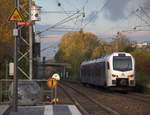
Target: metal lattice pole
30,43
24,53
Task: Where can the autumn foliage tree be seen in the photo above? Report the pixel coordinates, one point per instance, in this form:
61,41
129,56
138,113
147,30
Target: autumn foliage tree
142,58
6,41
6,28
76,48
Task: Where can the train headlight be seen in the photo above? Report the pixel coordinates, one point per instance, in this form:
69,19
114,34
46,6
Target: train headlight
130,76
114,75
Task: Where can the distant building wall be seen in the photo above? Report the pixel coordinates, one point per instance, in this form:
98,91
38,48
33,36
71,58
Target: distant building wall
143,45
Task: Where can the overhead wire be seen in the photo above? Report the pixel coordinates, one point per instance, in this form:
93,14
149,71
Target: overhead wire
63,9
67,13
61,22
140,17
97,12
83,12
75,23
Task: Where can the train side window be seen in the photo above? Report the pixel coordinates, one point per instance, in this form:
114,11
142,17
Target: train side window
108,65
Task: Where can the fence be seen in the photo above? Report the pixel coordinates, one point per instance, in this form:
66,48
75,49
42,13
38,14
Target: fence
4,87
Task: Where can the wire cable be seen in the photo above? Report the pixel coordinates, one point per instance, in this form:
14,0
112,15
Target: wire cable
61,22
97,12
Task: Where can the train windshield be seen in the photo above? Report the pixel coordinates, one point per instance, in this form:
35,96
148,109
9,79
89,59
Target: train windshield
122,63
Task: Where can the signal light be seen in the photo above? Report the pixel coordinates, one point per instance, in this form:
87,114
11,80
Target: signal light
35,13
114,75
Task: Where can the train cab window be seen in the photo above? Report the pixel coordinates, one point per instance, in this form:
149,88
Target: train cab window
108,65
121,63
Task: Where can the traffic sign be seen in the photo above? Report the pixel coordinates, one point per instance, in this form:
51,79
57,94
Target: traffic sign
52,82
15,16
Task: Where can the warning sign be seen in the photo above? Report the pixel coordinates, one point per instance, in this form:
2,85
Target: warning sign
15,16
52,82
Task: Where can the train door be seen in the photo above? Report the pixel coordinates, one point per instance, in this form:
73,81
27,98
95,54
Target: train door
107,73
103,74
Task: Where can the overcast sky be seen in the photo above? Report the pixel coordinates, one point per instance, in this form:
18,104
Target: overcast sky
102,17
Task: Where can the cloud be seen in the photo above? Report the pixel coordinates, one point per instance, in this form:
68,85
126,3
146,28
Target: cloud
114,9
140,36
146,4
92,17
122,9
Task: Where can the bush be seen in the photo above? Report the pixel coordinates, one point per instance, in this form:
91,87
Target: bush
142,60
142,79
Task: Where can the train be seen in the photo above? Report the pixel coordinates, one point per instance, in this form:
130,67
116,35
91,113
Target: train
113,70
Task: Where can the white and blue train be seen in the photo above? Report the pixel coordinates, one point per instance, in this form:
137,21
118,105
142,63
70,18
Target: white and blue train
114,70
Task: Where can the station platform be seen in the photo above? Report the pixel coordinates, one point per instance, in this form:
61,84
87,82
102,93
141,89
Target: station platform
3,108
47,110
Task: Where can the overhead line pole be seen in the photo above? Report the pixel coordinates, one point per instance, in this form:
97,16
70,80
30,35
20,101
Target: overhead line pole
15,80
30,44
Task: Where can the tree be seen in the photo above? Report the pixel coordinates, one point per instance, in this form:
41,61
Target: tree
96,53
76,48
142,59
120,42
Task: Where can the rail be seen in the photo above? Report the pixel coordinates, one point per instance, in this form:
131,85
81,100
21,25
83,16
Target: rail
108,109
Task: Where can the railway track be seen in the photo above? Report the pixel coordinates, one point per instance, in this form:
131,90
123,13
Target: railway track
85,103
132,95
137,97
119,102
142,95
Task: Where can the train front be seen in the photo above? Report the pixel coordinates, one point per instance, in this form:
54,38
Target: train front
122,70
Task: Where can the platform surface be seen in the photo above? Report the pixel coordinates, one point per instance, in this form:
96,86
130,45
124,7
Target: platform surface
47,110
3,108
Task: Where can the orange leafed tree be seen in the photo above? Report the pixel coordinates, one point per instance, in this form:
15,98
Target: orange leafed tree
76,48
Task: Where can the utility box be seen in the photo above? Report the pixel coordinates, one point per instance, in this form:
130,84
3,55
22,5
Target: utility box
35,13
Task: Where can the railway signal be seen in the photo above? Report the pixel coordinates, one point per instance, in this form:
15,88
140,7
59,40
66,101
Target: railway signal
52,83
56,76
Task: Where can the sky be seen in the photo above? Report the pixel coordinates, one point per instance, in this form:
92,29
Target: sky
102,17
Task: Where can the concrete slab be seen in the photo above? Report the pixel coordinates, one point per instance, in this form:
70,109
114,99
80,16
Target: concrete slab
29,110
47,110
3,108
